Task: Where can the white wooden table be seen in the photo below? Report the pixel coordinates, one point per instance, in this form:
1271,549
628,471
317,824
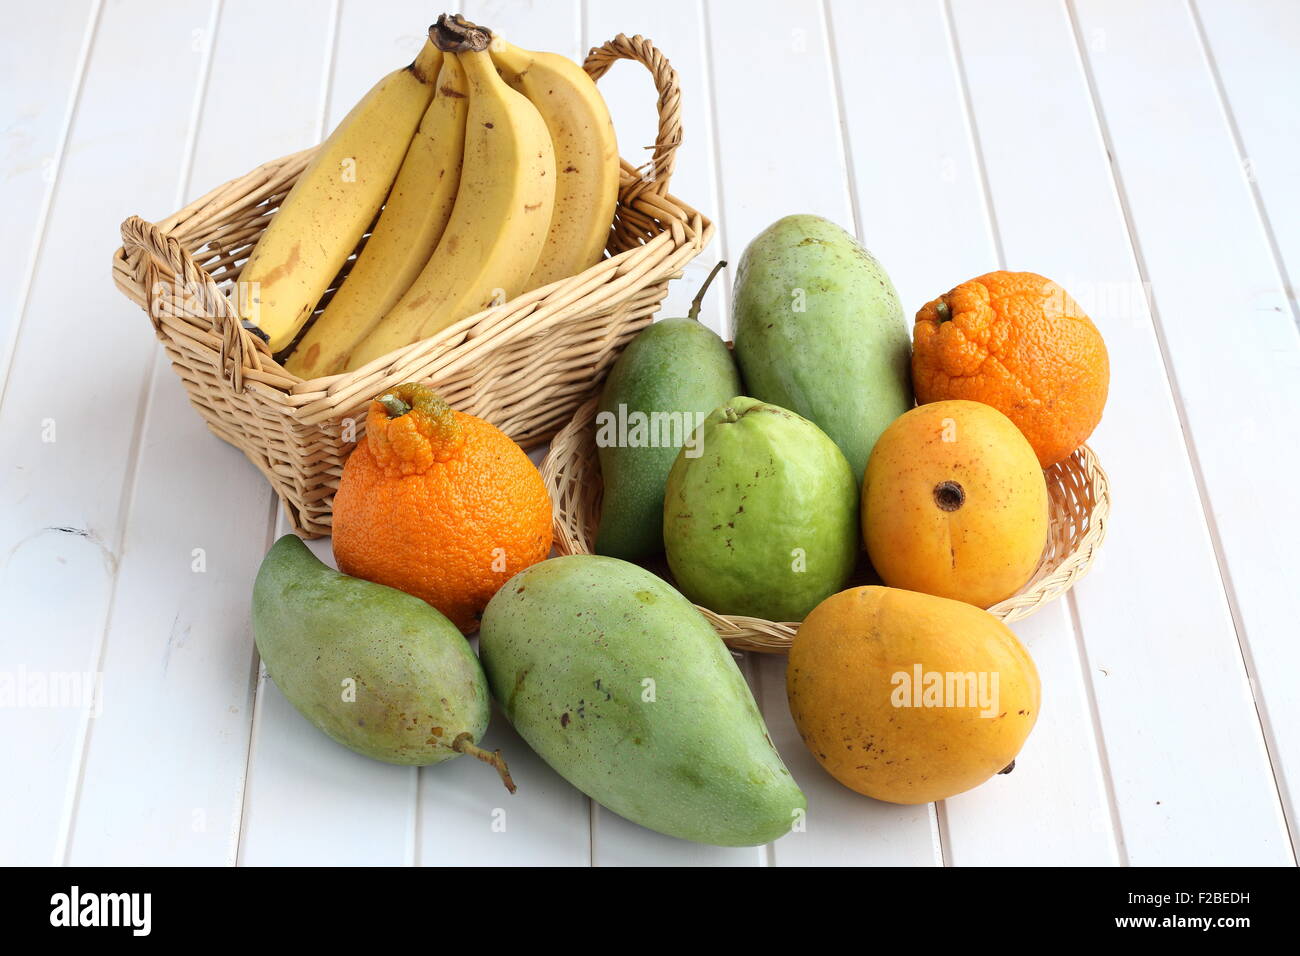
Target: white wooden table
1144,153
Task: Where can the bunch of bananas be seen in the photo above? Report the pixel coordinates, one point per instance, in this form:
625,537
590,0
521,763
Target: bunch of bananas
492,170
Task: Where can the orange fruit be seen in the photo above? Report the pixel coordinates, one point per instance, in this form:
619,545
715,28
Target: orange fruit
1018,342
439,504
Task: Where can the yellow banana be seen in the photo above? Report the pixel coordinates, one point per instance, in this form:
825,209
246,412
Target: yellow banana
414,218
333,202
586,157
502,212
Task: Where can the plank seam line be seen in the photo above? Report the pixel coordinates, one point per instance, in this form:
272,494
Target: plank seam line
255,720
1239,144
842,125
939,820
327,73
973,134
1189,441
47,204
141,418
258,687
1099,735
583,43
715,157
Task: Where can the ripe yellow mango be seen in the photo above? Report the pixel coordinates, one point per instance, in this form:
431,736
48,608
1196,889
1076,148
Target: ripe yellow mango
954,504
910,698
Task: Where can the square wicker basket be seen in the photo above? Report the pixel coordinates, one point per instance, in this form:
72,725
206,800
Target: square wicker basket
524,366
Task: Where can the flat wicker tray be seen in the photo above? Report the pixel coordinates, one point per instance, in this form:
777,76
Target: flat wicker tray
1078,492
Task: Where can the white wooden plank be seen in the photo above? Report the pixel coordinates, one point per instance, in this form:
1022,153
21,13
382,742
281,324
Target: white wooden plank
922,212
308,800
1166,667
1225,318
780,147
179,658
78,376
677,30
45,45
1252,49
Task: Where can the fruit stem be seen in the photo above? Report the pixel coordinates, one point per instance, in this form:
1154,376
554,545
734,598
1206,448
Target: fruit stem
395,407
944,310
1007,769
694,313
455,34
464,744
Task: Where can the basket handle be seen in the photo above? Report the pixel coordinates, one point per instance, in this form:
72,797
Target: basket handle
163,255
655,174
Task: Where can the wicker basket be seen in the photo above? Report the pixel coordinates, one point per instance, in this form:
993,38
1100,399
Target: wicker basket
1077,487
524,366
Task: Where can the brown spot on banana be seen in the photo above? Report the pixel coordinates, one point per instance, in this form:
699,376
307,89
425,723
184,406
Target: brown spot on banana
285,268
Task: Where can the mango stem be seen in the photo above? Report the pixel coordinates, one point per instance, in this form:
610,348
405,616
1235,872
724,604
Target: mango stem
694,313
464,744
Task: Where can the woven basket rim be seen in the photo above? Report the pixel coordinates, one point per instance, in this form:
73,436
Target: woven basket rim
757,634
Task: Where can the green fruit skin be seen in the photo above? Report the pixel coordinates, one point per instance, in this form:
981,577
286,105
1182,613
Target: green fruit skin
769,482
569,646
845,362
418,684
674,366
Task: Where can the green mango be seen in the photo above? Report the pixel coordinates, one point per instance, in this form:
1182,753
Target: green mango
626,691
765,522
376,669
669,377
819,330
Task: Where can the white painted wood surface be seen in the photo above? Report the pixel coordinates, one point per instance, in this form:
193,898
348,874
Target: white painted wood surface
1144,154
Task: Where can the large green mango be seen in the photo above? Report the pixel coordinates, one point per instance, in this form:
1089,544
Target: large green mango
626,691
378,670
819,330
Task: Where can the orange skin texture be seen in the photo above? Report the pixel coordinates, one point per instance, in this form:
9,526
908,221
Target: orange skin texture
428,497
842,689
988,547
1018,342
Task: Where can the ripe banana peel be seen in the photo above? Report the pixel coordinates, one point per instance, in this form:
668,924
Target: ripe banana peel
414,218
586,157
500,221
333,202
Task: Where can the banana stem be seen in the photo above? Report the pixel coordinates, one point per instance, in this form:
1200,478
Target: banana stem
464,744
694,313
455,34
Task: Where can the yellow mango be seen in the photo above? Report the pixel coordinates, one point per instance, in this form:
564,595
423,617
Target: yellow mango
954,504
910,698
